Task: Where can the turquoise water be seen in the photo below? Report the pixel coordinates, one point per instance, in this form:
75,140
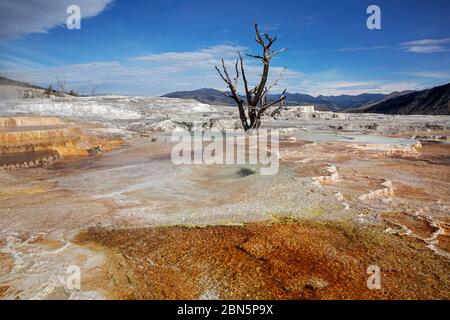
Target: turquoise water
321,136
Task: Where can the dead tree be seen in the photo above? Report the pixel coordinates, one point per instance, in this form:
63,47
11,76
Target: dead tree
255,104
93,90
61,82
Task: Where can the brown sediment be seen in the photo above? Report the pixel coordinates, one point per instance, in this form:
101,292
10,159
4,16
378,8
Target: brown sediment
3,290
288,260
408,191
443,243
27,191
419,226
432,153
443,239
312,170
6,263
47,243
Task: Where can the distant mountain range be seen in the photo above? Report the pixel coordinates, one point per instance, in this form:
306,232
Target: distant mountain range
216,97
430,101
208,96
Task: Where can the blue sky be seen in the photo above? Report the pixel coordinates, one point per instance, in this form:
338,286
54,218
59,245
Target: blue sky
159,46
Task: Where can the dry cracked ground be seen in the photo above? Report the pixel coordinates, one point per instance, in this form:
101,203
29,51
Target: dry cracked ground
140,227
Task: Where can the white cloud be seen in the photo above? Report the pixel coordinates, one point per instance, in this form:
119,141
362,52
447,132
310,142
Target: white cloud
22,17
426,46
205,54
317,86
356,49
427,42
307,20
165,72
426,49
428,74
205,58
154,74
116,77
269,27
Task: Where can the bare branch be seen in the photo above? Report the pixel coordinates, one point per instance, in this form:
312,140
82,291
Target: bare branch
236,80
277,52
271,41
226,78
258,36
254,56
221,75
244,79
264,108
275,83
225,71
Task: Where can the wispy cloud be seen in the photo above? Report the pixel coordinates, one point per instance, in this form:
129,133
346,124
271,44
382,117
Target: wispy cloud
426,46
122,78
155,74
427,42
36,16
270,27
357,87
307,20
356,49
164,72
428,74
202,58
205,59
338,82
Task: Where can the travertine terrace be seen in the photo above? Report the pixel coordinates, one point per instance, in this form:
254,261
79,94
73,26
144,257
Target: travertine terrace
352,191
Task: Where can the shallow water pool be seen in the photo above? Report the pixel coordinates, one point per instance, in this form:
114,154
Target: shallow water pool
350,138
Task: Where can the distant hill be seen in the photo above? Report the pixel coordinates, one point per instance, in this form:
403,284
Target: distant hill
205,95
392,95
431,101
8,82
13,89
343,102
349,102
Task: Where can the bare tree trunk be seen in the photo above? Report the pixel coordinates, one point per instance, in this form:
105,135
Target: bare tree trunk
93,90
61,82
255,104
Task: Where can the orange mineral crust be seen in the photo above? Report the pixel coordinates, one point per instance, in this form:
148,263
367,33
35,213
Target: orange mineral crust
282,260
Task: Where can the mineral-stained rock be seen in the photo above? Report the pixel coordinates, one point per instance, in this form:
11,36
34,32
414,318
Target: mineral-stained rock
39,141
389,149
387,191
297,260
332,177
